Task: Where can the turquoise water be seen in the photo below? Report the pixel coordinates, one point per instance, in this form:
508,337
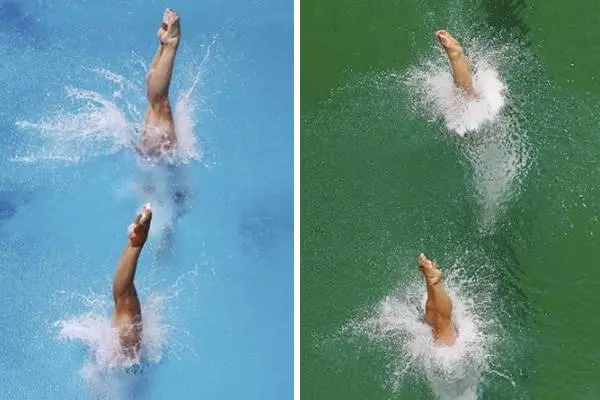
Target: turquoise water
215,278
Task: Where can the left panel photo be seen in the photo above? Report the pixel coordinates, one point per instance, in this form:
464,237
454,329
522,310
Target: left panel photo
146,200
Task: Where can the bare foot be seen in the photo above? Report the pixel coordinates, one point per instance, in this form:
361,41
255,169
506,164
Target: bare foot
169,31
162,30
138,230
164,26
449,44
430,271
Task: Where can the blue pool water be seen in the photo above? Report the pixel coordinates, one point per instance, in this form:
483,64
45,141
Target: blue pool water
216,293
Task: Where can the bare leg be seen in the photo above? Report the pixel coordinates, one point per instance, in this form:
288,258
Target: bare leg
159,130
127,315
154,60
162,66
461,68
438,309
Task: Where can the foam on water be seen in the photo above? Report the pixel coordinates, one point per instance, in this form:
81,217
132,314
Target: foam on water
157,186
94,329
499,164
105,370
397,324
434,90
495,143
103,123
100,124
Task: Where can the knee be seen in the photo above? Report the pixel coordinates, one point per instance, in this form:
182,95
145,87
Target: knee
157,101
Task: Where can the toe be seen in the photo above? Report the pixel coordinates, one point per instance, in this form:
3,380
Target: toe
146,214
137,219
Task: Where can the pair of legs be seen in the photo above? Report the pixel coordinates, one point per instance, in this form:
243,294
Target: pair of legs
158,137
159,129
438,308
461,68
127,315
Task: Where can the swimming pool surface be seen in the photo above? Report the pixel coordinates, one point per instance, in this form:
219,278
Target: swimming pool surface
215,279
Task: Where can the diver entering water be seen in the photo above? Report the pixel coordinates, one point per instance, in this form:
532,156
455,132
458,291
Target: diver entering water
438,308
159,138
159,128
127,316
461,68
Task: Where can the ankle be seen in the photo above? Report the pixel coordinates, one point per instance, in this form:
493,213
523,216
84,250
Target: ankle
170,43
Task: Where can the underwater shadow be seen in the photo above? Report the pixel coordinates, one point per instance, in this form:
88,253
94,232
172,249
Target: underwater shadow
8,208
506,15
137,386
262,226
10,202
18,24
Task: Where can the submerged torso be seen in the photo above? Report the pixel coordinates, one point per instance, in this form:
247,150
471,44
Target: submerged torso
127,319
158,132
446,334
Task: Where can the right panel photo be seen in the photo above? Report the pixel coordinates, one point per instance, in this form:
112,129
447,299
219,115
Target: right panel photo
449,200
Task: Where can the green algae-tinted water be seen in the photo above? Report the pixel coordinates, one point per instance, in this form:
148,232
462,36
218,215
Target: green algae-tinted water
510,211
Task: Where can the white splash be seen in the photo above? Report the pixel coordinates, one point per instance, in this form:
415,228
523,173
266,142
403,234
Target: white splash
94,328
495,144
102,123
397,323
105,367
185,114
435,91
98,126
168,190
499,162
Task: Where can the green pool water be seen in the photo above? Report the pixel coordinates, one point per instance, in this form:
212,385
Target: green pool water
511,210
